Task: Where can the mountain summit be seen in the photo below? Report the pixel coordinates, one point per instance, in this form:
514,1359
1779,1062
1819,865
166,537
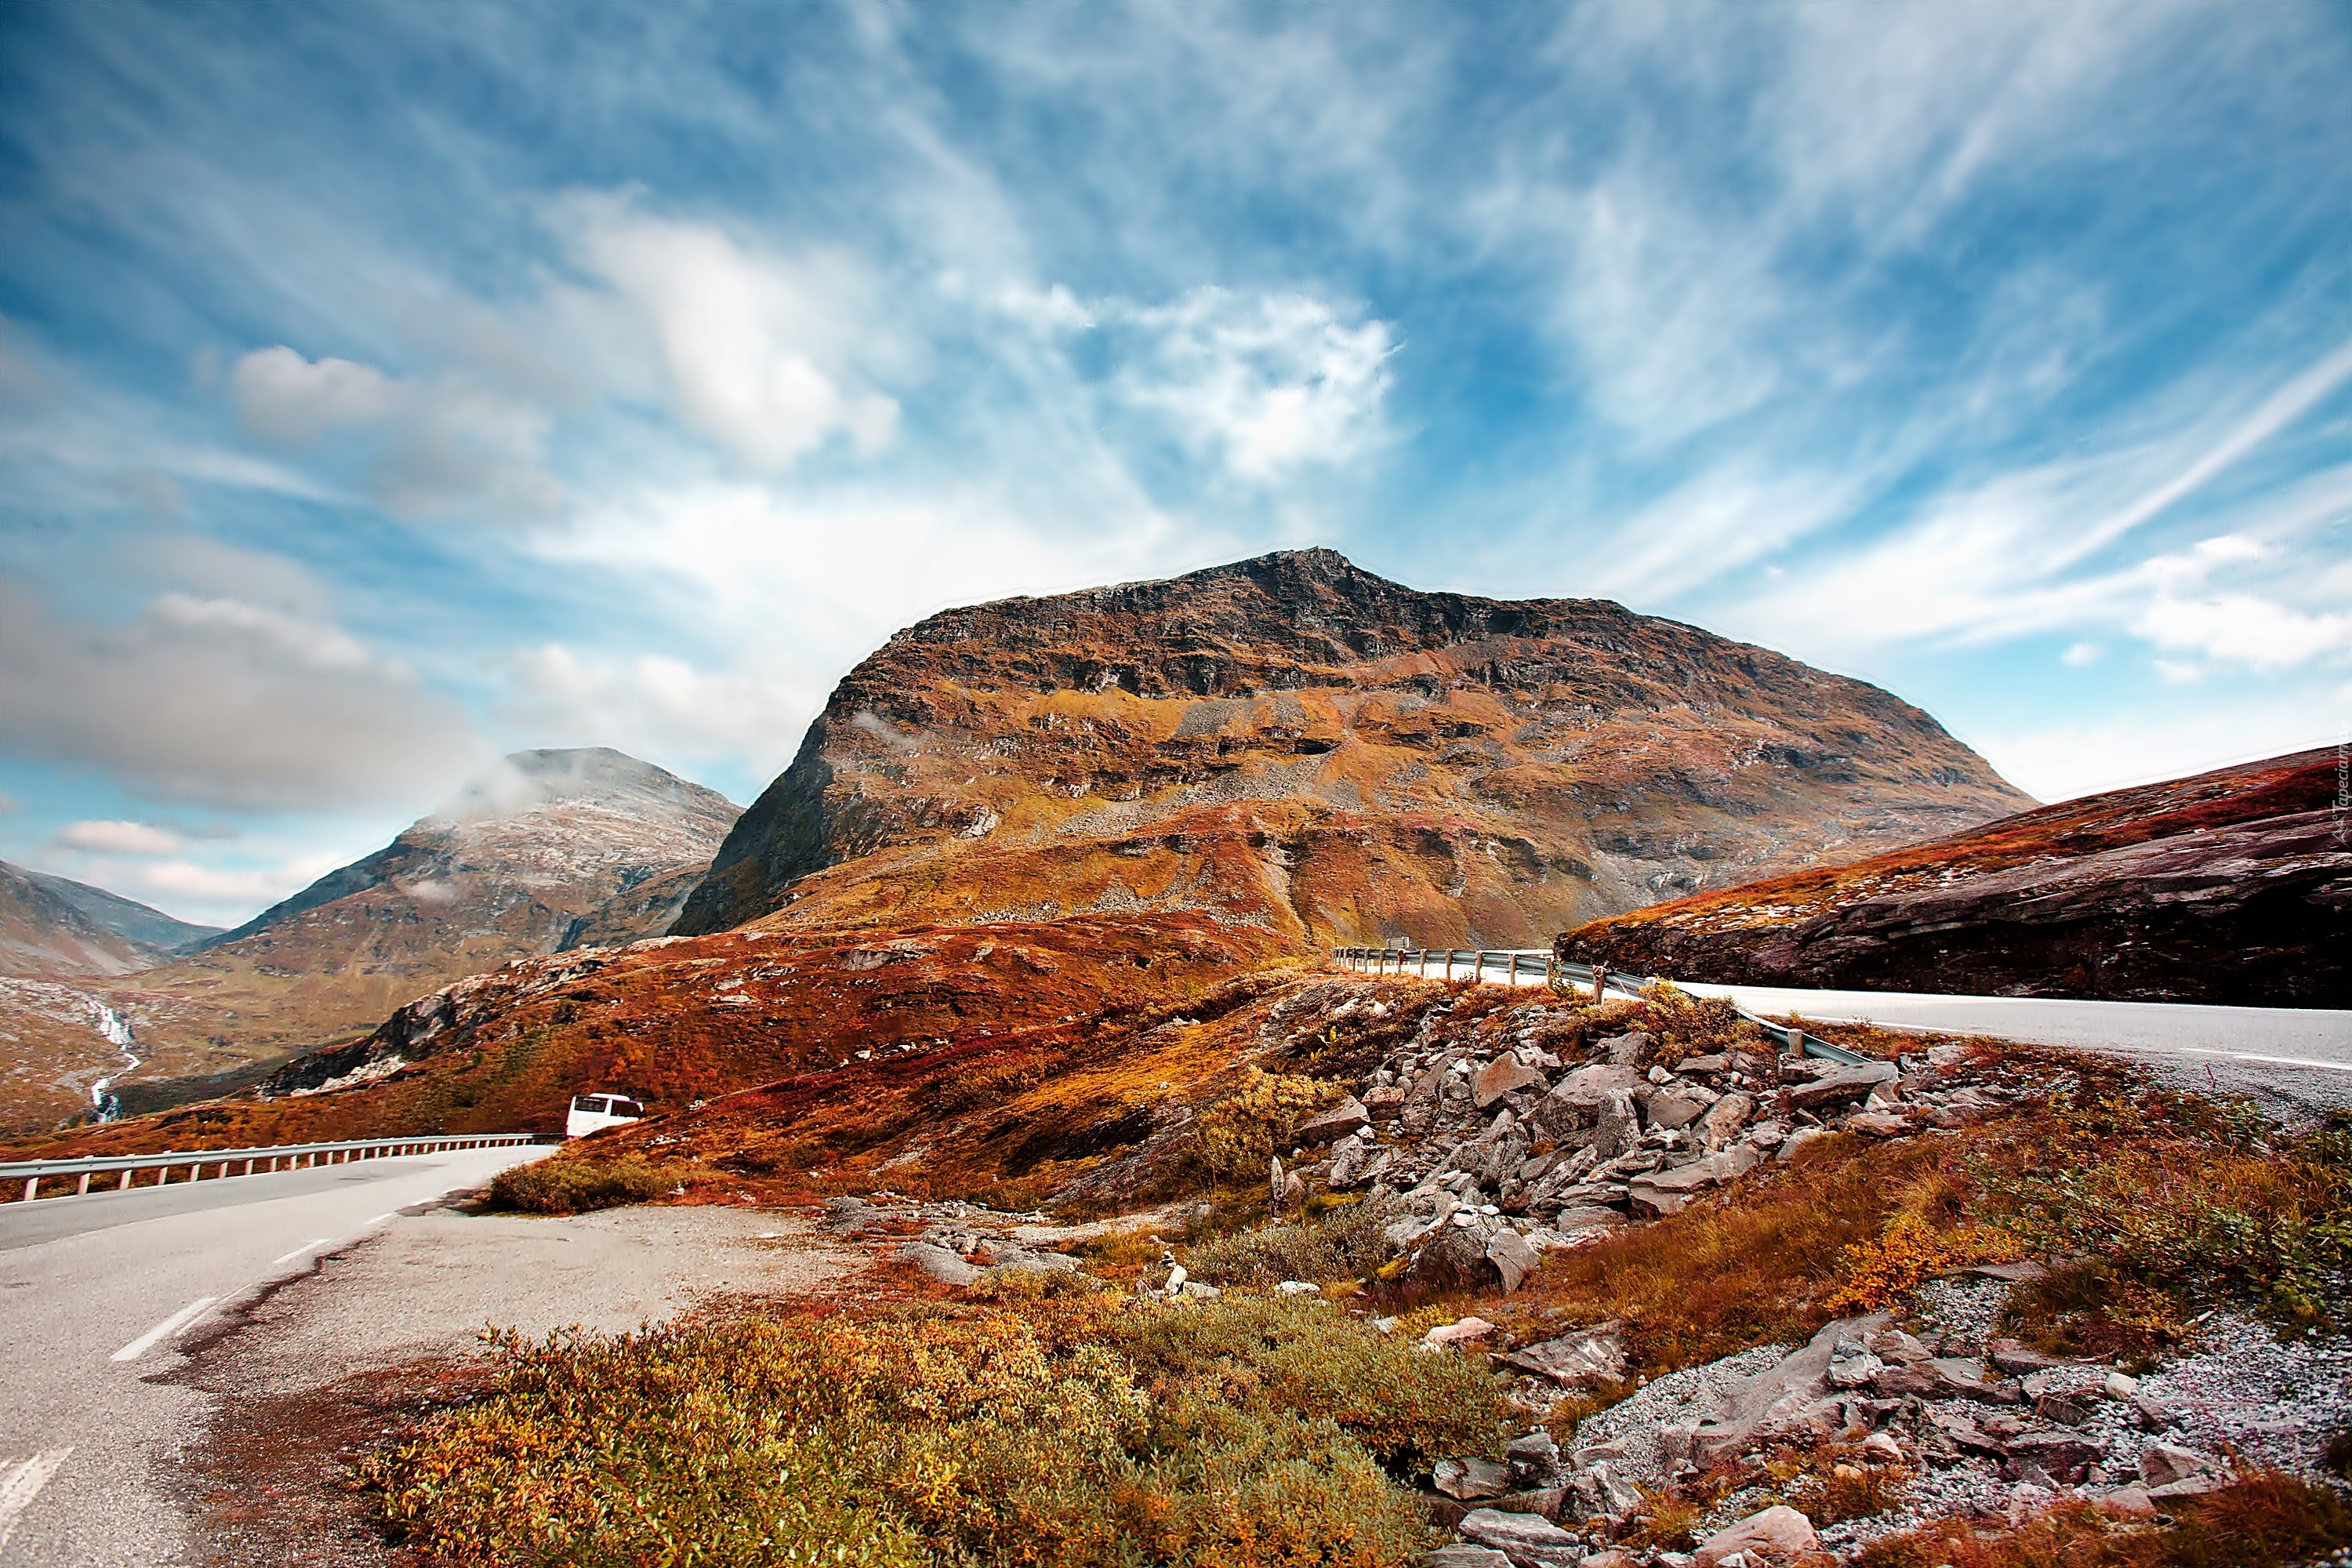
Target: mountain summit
547,850
1294,742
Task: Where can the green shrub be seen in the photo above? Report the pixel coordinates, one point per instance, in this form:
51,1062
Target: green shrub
1342,1244
562,1185
1099,1432
1240,1132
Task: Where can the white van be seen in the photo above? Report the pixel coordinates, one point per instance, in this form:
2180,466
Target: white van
594,1113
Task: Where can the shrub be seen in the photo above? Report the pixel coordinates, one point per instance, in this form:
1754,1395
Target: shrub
558,1184
1069,1434
1240,1132
2262,1519
2184,1198
1342,1244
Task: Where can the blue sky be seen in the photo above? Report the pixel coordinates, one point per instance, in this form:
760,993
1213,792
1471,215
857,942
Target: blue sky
384,388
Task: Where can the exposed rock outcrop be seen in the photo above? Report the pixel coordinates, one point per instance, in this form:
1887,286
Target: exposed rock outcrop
2233,887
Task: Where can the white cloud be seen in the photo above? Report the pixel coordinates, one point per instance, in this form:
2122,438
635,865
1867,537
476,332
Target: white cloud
119,838
760,349
442,447
1271,381
2189,735
219,702
2081,654
751,711
281,396
2242,629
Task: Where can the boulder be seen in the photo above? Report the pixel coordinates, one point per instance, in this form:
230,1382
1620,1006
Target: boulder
1529,1540
1456,1333
1465,1557
1499,1078
1513,1258
939,1263
1778,1535
1675,1108
1347,1116
1661,1193
1787,1401
1575,1101
1876,1124
1386,1100
1604,1492
1534,1459
1852,1365
1585,1359
1469,1478
1966,1377
1721,1124
1618,1125
1630,1051
2162,1464
1845,1083
2066,1409
2017,1360
2130,1502
1347,1159
2062,1455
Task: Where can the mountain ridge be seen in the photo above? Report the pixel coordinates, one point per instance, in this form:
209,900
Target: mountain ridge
1220,739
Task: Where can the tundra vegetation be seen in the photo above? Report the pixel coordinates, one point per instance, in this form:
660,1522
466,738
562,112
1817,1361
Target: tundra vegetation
1099,1417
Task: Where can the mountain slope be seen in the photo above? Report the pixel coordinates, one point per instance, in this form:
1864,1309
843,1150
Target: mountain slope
44,930
2233,887
551,847
127,918
1297,744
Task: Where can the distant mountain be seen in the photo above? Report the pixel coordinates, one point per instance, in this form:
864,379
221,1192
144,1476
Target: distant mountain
2233,887
127,917
1297,744
550,850
51,926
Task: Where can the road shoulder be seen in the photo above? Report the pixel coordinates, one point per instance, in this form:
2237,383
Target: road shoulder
305,1378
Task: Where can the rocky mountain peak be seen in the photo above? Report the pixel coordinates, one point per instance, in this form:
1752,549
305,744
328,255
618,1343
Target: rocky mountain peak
596,777
1291,740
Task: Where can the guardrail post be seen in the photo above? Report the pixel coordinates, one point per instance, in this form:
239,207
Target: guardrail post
1600,980
30,1183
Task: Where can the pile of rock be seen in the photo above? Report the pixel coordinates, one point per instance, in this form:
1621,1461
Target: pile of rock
1496,1147
2002,1434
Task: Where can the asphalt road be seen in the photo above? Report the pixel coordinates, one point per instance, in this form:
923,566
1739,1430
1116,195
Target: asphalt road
96,1294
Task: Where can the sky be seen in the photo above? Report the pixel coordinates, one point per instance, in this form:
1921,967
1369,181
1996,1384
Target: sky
384,388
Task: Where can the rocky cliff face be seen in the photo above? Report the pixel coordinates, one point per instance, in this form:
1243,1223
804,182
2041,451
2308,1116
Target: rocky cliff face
553,850
1300,744
2233,887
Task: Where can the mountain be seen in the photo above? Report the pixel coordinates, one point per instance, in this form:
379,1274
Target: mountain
50,926
551,850
150,928
2231,886
1295,742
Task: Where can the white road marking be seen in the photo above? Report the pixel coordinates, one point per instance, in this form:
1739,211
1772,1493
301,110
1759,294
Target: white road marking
23,1484
165,1330
380,1218
2240,1057
305,1247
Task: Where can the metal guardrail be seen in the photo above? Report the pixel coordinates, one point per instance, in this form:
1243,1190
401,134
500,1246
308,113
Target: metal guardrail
1558,975
296,1156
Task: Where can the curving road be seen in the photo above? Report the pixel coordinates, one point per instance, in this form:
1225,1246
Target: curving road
96,1294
